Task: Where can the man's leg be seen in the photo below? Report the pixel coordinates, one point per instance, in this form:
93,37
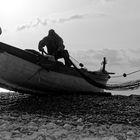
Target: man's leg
65,55
58,55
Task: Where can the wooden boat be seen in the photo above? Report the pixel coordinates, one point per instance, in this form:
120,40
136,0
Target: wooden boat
29,72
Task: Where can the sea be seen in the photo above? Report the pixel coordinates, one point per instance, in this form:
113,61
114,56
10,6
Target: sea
69,117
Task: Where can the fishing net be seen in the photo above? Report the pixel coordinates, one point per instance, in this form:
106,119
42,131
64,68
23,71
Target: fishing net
130,85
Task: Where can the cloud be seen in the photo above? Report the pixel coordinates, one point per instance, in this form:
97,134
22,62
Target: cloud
114,56
24,26
118,60
32,24
73,17
109,0
58,20
102,1
49,20
133,57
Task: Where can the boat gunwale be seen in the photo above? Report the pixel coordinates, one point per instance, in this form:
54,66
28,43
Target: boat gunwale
51,65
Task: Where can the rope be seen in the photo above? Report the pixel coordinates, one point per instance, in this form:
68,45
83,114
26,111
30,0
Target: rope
80,64
125,74
133,72
74,59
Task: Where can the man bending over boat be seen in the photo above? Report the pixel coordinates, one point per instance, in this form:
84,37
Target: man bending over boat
55,46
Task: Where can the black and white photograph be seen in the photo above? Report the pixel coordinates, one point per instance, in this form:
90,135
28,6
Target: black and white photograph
69,69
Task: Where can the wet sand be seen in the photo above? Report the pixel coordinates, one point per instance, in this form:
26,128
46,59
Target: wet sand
69,117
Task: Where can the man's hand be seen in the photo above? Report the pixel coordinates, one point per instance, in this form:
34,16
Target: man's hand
40,49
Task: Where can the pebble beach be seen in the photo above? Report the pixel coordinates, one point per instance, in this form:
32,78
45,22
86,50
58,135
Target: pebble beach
69,117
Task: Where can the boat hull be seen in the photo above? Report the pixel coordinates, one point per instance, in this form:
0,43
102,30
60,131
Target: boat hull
21,74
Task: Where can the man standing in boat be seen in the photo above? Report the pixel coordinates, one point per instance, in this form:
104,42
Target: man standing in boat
55,46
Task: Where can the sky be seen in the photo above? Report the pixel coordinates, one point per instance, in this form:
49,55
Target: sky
91,29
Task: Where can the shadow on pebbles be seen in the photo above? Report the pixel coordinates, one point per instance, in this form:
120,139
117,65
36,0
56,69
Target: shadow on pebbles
69,117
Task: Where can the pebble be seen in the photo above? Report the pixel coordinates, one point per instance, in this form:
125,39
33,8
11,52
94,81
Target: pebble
32,126
130,133
93,138
40,137
60,133
113,138
67,126
5,125
26,126
116,128
79,120
80,127
44,126
5,135
51,125
59,121
16,133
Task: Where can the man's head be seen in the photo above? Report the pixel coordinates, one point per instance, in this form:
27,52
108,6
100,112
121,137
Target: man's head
51,32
